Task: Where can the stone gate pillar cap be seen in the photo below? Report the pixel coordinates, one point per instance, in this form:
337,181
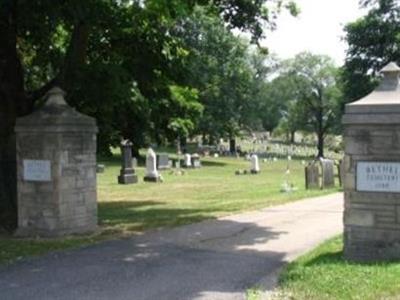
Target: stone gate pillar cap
55,96
391,67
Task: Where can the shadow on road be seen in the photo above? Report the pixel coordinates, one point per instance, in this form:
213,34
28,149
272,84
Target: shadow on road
217,259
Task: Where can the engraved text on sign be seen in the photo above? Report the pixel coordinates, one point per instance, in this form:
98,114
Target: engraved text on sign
378,177
36,170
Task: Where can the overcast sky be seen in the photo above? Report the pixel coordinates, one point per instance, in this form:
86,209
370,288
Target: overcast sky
318,29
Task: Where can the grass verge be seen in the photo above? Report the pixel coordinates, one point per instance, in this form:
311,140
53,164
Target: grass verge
324,274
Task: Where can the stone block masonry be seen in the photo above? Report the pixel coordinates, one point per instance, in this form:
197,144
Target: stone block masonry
372,173
56,165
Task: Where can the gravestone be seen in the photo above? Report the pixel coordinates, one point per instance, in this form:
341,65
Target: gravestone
127,173
312,175
177,164
372,172
327,173
187,160
100,168
134,162
152,174
255,166
196,163
163,161
56,165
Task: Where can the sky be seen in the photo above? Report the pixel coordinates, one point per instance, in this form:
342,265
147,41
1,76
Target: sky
318,29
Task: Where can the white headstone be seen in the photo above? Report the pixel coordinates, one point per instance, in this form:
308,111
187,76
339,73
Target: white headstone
255,166
188,160
151,164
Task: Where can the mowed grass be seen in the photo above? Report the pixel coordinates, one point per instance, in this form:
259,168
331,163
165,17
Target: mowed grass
209,192
324,274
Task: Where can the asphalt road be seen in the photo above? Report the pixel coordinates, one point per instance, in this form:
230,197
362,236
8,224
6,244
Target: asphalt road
215,259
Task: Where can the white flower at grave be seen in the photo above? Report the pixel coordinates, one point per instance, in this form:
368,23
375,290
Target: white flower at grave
289,157
303,162
274,159
287,171
216,155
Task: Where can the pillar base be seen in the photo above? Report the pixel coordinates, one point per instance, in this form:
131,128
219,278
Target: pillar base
152,179
127,179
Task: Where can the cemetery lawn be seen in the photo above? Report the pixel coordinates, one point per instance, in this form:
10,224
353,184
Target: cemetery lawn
209,192
200,194
324,274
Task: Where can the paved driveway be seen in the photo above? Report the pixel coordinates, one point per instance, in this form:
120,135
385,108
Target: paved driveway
215,259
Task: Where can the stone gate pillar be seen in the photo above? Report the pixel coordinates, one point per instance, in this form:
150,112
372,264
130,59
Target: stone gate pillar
56,165
372,172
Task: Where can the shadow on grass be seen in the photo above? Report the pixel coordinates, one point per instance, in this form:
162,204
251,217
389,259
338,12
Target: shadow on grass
142,215
207,163
326,258
337,258
115,160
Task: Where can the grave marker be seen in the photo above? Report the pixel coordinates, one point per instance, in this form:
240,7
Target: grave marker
152,174
163,161
327,173
255,166
312,176
127,173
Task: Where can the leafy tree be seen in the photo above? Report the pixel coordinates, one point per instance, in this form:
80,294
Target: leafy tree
373,41
124,45
316,93
226,72
278,94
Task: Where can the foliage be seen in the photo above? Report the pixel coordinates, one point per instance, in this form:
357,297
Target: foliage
281,106
189,111
228,74
373,41
116,60
316,94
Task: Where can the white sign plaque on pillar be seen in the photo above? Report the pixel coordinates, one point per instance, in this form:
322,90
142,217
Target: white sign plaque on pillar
378,177
36,170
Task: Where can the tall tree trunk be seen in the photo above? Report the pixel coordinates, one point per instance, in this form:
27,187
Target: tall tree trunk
232,145
292,136
13,103
320,127
320,146
76,55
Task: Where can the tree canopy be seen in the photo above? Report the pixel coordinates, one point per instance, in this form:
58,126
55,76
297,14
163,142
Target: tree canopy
308,95
118,62
373,41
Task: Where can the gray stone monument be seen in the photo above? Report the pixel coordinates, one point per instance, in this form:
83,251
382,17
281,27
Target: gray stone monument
100,168
187,160
163,161
152,174
56,165
372,172
196,163
327,173
127,173
312,175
